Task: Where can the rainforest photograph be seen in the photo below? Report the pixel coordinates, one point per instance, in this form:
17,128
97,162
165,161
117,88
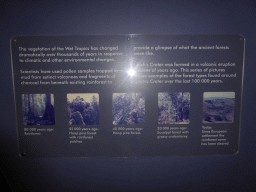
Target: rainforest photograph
38,109
83,109
173,108
128,108
218,107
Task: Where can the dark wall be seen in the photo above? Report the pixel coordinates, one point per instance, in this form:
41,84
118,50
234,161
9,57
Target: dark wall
203,173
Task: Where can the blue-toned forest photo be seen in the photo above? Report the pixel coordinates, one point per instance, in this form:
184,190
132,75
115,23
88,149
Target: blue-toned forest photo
38,109
128,108
83,109
173,108
218,107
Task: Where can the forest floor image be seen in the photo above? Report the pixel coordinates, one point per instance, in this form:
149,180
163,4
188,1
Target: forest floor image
128,108
173,108
38,109
218,107
83,109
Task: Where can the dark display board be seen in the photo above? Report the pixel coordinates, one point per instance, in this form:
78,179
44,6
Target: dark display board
128,95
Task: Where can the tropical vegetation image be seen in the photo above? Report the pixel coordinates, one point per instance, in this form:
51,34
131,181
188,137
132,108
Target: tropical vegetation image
173,108
83,109
218,107
38,109
128,108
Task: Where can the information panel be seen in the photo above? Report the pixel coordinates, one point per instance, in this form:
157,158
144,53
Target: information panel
128,95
